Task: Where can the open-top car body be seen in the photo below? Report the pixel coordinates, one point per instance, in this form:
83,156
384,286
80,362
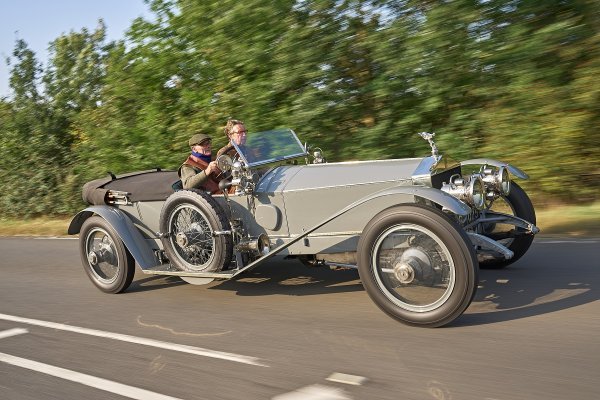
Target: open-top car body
416,229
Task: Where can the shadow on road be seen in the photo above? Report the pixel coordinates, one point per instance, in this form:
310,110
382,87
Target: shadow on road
288,277
292,278
154,283
549,279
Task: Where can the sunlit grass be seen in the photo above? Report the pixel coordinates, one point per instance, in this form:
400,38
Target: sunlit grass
570,220
34,227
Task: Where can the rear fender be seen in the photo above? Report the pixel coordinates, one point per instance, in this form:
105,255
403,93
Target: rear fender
495,163
128,233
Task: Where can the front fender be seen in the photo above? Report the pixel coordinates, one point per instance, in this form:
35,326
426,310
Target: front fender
511,168
122,224
447,201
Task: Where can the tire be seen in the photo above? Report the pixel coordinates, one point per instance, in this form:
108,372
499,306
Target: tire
517,203
190,218
417,265
106,260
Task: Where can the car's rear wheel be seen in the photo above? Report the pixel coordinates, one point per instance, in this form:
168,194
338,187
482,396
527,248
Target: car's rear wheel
517,203
106,260
417,265
198,237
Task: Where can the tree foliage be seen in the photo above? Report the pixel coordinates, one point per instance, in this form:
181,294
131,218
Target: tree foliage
515,80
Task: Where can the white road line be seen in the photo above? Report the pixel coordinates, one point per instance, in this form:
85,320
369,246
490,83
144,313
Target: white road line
138,340
314,392
88,380
12,332
54,237
590,241
347,379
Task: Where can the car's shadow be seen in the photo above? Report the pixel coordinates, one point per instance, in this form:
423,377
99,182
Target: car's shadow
154,282
292,278
289,277
539,283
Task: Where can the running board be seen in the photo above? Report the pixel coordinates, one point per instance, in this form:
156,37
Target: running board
222,275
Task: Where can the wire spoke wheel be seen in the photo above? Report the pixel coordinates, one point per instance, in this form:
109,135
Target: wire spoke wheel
196,229
191,236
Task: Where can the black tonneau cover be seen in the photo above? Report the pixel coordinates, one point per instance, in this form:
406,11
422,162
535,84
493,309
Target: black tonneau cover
153,185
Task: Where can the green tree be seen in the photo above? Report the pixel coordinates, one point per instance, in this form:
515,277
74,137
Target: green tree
24,140
512,80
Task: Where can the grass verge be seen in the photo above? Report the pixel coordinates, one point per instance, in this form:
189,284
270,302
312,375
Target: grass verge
570,220
34,227
563,220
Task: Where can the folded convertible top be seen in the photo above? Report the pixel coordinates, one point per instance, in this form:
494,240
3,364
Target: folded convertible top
152,185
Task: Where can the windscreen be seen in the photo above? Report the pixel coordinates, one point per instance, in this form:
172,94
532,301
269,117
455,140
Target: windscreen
270,146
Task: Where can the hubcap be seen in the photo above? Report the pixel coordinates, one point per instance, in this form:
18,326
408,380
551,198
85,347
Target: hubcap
182,239
404,271
92,258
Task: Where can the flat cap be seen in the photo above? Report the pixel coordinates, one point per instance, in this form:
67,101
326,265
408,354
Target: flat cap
198,138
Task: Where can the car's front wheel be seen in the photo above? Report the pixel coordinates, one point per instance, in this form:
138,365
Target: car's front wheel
106,260
417,265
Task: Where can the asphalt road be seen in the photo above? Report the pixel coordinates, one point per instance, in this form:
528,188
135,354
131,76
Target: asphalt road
287,332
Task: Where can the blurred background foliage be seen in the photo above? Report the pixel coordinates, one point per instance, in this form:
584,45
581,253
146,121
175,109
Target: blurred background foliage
516,80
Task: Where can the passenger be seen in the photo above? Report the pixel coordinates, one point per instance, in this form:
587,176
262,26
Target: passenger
236,133
198,171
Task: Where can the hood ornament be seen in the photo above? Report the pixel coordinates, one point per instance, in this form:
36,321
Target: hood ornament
429,137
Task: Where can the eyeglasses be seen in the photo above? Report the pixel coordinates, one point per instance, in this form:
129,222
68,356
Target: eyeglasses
241,133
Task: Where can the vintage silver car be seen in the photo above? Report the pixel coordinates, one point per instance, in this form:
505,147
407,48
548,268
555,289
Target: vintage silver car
416,229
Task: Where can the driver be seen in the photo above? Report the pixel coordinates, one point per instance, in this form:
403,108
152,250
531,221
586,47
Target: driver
198,171
236,133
